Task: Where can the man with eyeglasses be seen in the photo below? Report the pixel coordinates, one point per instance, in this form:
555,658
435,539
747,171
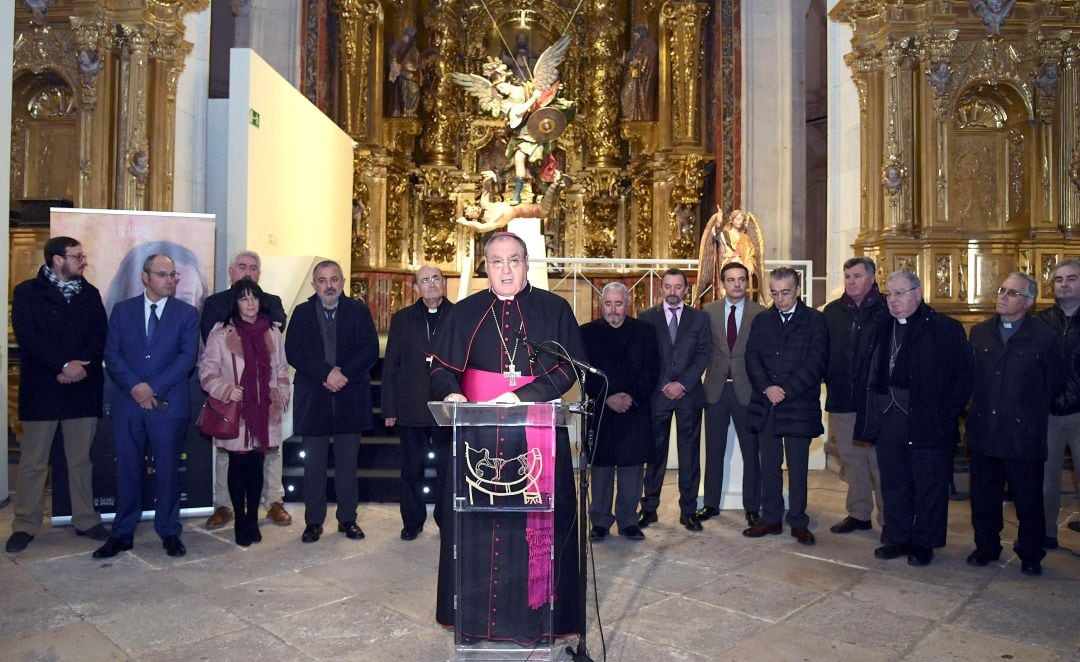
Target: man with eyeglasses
919,382
785,358
60,325
405,394
216,308
853,321
1017,373
1064,420
480,354
150,351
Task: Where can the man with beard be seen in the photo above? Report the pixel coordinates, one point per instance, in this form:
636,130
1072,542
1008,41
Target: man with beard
405,396
333,345
919,383
482,356
60,326
853,321
625,349
685,344
1017,375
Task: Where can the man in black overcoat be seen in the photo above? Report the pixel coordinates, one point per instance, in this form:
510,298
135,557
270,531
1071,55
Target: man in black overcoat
1018,372
60,325
785,358
919,383
405,394
333,345
625,349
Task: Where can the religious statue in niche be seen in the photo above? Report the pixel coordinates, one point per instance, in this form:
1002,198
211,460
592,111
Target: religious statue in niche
737,239
38,9
535,113
140,166
90,65
992,12
637,99
940,75
404,75
1046,82
489,214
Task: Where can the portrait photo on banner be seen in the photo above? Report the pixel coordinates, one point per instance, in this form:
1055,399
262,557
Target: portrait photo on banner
116,243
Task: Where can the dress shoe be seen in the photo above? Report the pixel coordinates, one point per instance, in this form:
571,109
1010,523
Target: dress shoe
632,533
111,548
96,532
1050,542
920,556
277,514
803,535
760,530
690,521
18,542
979,559
849,524
707,512
753,518
173,546
647,517
351,531
312,532
888,552
221,516
1031,568
410,533
598,533
1075,526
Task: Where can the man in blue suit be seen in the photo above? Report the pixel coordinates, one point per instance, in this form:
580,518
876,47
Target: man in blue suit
150,350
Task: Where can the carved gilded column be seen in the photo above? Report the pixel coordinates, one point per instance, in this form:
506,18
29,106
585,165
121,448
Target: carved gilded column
1049,52
1070,142
602,83
897,165
939,92
359,96
865,65
90,38
441,98
682,23
600,225
133,162
168,52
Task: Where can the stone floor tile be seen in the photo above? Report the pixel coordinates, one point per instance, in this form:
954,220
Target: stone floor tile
949,643
626,647
342,628
276,596
860,623
74,641
691,626
796,567
754,596
620,599
415,598
32,609
166,624
781,642
245,645
907,597
1038,616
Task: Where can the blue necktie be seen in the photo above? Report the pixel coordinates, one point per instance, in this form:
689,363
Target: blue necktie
152,323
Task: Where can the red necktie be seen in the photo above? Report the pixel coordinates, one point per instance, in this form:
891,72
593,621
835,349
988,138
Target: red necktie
732,333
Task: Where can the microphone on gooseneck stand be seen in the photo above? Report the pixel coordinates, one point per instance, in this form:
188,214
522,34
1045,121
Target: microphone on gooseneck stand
542,348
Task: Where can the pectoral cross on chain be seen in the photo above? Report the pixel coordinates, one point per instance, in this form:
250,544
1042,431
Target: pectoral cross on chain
511,373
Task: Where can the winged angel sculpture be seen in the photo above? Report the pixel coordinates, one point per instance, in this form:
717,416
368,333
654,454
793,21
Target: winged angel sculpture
738,239
535,113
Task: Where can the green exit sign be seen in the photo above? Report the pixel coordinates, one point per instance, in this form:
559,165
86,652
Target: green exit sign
254,117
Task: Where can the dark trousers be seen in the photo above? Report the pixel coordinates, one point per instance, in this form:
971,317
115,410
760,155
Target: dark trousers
718,416
914,484
164,438
245,481
416,443
988,478
603,491
316,449
772,450
688,445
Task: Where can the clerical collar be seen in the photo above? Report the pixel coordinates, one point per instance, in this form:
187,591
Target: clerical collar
901,320
1012,325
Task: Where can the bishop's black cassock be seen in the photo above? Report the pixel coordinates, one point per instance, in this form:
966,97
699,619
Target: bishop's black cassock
483,332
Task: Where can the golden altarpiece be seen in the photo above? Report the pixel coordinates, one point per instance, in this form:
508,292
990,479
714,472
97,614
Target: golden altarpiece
970,153
638,174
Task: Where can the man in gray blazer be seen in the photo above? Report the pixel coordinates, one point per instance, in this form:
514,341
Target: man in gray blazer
727,394
682,333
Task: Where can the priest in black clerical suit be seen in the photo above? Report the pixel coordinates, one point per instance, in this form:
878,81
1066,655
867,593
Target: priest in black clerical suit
480,354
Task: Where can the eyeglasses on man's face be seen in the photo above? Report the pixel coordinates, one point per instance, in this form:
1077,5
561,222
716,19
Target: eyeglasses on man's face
1011,293
164,274
78,257
436,279
896,294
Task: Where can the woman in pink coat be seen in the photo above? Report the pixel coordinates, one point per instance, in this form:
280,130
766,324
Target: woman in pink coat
244,362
